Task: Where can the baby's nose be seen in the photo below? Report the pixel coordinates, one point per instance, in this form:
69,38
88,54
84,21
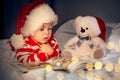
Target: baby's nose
46,31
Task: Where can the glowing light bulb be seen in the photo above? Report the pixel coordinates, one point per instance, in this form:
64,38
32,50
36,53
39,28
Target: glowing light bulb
110,45
89,66
98,65
48,68
109,67
117,68
89,76
97,77
75,59
119,60
60,76
117,48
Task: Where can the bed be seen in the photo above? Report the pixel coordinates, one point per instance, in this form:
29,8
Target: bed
10,71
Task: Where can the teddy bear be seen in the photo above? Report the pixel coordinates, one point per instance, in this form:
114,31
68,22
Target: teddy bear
89,41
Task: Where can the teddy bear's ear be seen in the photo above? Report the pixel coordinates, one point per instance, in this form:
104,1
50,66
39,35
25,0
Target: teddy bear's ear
77,19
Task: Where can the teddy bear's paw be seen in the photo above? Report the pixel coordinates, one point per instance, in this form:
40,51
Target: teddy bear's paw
67,54
98,54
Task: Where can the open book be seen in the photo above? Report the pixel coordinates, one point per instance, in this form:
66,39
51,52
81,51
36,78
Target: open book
61,64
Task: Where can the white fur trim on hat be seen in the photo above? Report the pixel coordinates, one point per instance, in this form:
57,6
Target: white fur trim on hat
17,41
41,14
96,25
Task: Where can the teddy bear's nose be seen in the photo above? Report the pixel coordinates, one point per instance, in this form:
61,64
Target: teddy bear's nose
82,30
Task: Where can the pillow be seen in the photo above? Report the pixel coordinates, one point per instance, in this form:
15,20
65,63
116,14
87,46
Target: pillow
65,32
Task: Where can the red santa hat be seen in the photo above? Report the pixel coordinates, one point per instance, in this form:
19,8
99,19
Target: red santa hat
31,17
100,28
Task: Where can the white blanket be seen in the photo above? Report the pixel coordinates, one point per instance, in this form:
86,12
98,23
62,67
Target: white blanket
9,71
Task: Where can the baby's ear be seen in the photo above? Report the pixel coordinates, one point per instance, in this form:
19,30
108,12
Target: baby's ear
77,19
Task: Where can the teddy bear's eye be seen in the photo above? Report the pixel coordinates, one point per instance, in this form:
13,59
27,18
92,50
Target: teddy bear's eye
86,28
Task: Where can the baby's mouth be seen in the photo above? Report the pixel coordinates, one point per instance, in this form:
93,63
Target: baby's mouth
46,38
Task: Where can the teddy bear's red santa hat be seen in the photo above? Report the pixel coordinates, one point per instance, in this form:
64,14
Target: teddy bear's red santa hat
31,17
100,26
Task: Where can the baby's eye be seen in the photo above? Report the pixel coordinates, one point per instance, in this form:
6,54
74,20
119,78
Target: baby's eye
41,29
49,28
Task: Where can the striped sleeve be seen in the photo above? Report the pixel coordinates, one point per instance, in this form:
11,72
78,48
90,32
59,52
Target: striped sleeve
54,44
30,55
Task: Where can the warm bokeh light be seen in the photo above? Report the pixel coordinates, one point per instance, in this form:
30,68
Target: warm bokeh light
117,48
117,68
109,67
97,77
90,76
75,59
98,65
110,45
48,68
60,75
118,60
89,66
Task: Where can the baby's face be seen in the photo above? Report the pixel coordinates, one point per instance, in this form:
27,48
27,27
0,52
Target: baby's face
43,34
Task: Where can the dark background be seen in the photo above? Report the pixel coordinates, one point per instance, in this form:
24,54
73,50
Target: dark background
108,10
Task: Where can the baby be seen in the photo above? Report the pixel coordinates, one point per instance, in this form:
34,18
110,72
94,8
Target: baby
34,41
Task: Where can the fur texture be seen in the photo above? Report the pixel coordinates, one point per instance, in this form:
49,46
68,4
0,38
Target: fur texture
42,14
86,43
17,41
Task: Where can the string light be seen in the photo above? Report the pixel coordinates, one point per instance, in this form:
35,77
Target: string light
89,66
60,76
118,60
89,76
48,68
75,59
109,67
110,45
98,65
117,48
97,77
117,68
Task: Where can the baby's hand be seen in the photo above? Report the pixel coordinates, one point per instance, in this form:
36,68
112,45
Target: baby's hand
47,49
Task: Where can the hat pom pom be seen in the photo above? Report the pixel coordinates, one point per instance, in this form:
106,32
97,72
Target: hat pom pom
17,41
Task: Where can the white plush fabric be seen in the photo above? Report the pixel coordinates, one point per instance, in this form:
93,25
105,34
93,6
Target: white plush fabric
67,31
9,71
